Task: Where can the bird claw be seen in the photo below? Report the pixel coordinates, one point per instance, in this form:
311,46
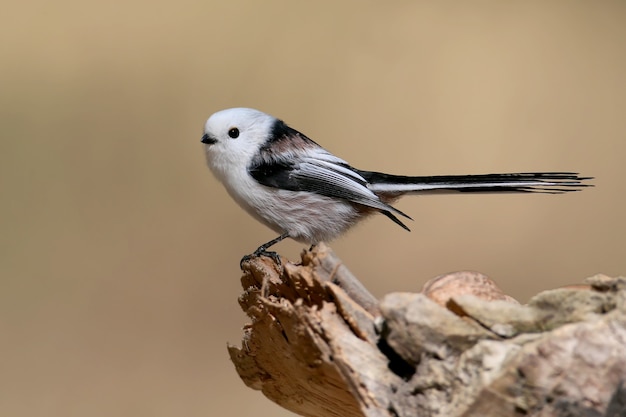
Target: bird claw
261,252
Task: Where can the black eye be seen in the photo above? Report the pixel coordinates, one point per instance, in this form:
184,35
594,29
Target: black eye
233,133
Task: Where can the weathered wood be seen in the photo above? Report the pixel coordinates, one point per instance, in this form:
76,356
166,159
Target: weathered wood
320,345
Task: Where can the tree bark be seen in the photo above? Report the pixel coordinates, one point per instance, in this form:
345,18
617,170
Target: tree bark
320,345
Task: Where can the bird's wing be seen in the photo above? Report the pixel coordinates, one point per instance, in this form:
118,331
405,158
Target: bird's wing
318,171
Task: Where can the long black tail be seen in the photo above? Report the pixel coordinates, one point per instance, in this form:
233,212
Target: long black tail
523,182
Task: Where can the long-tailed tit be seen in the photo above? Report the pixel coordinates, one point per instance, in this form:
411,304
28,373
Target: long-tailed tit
302,191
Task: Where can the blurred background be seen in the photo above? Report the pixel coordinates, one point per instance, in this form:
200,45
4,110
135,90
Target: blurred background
119,252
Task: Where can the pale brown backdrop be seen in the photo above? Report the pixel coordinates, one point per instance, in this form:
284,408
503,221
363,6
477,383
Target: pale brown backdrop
119,251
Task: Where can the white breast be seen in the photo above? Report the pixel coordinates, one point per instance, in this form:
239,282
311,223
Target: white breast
307,217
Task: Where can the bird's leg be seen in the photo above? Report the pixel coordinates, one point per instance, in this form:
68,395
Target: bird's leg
262,250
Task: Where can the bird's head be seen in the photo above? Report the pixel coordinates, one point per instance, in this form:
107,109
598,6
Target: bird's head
236,135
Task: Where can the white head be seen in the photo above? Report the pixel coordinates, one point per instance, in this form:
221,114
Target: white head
234,136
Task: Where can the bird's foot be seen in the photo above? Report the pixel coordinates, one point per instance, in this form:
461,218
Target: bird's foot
261,252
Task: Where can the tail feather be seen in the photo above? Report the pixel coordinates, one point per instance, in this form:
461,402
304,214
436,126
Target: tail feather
524,182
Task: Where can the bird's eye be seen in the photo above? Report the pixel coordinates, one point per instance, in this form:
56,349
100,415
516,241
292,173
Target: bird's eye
233,133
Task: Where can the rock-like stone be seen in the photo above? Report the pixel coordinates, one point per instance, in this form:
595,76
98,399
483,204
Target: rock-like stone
416,325
443,288
501,317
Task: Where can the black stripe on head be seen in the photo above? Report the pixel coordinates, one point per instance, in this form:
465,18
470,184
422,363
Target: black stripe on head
280,129
284,138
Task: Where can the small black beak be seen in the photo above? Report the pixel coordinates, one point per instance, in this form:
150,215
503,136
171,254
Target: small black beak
209,140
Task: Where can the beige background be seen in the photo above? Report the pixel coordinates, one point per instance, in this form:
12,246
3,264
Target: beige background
119,251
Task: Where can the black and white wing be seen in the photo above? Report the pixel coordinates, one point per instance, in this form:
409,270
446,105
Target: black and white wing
291,161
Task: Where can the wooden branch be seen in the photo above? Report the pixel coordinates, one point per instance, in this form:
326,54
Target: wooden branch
320,345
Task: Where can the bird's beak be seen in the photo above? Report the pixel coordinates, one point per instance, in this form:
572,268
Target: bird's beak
209,140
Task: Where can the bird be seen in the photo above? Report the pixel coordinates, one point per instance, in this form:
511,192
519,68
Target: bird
301,191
